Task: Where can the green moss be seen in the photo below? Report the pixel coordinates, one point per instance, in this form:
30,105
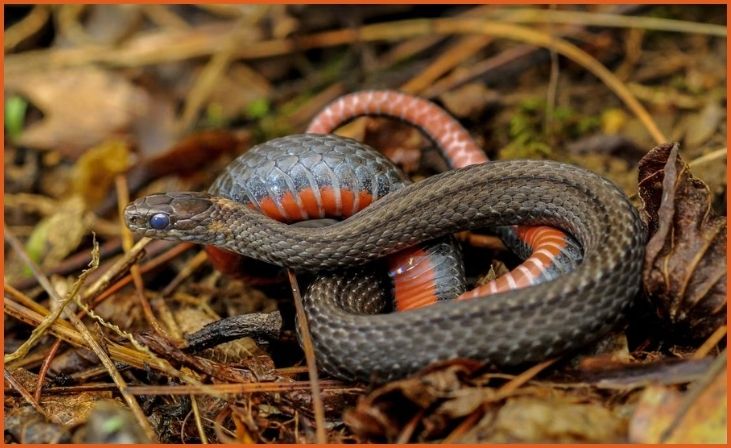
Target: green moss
530,139
15,108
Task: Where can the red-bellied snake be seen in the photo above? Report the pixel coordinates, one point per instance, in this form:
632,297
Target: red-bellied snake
312,176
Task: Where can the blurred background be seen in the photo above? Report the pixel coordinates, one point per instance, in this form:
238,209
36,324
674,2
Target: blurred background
104,102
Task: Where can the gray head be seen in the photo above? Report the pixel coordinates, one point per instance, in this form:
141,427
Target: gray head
175,216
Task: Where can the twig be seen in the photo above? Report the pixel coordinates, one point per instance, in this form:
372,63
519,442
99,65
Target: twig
710,343
449,59
28,26
117,268
695,390
714,156
552,88
209,77
459,78
41,329
534,15
122,201
395,30
189,268
44,368
163,17
318,407
101,283
154,263
87,337
25,300
410,48
203,41
64,330
511,386
198,420
236,388
559,45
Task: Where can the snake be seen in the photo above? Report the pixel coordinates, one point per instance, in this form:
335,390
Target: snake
353,336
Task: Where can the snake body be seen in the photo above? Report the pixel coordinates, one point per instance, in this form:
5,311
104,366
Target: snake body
509,328
297,183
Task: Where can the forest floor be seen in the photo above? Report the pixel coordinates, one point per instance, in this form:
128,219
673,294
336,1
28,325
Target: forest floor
108,102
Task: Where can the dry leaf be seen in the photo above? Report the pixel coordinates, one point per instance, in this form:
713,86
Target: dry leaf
384,413
469,100
702,125
95,170
23,424
59,234
685,258
82,107
552,420
68,410
664,415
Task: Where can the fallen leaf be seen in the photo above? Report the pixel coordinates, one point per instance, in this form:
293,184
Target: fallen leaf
384,413
702,125
68,410
665,415
470,100
685,258
23,424
401,143
95,170
82,107
56,236
548,420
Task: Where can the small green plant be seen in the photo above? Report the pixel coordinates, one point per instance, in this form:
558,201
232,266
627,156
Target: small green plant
531,138
15,108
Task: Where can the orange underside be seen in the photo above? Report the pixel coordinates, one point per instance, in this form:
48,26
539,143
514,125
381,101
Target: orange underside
287,209
410,291
546,244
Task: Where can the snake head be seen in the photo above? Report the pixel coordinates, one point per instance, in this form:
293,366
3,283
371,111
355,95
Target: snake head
175,216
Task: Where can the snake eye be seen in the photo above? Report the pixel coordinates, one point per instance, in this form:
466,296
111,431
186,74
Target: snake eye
159,221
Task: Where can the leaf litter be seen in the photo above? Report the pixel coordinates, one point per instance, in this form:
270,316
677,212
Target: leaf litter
158,92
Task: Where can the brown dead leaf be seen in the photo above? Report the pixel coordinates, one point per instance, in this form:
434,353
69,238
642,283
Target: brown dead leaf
400,142
57,235
82,107
95,170
685,258
665,415
469,100
385,413
23,424
548,420
702,125
68,410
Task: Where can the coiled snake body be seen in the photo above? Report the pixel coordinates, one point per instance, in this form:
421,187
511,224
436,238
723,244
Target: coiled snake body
509,328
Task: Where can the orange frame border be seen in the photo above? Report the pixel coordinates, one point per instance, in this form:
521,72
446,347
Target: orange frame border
324,2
